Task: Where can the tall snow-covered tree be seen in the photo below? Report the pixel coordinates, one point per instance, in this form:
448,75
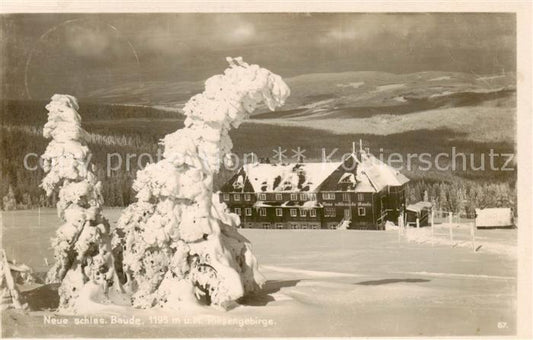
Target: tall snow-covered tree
84,264
177,241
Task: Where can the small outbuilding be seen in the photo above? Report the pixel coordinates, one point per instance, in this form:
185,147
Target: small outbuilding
494,218
421,211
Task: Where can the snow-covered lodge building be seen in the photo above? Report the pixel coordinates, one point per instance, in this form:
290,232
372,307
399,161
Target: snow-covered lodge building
359,193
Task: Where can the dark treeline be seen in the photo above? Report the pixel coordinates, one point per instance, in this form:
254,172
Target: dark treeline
21,134
33,112
462,196
24,182
449,193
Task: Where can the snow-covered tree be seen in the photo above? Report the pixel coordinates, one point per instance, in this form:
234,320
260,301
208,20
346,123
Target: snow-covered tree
10,203
82,245
177,241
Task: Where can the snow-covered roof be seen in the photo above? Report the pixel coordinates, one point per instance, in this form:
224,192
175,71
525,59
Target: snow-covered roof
363,184
288,177
494,217
372,175
419,206
380,174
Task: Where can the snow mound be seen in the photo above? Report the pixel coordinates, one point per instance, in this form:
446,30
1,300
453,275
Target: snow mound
391,226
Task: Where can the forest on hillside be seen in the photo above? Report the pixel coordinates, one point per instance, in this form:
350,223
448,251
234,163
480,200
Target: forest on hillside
135,130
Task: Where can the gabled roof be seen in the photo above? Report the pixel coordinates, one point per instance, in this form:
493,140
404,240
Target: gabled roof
380,174
419,206
371,175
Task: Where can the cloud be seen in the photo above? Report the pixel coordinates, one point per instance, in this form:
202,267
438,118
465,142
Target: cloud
184,35
242,32
232,29
87,41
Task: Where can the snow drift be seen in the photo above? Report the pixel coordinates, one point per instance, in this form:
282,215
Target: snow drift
177,244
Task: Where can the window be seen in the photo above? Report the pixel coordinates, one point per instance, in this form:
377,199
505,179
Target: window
330,212
361,211
226,197
294,213
247,197
360,197
294,197
303,212
328,195
312,213
238,211
248,211
237,197
346,197
262,212
279,197
279,212
303,197
262,197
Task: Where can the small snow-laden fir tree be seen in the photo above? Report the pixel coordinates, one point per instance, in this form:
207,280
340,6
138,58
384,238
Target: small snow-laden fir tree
177,242
10,203
84,264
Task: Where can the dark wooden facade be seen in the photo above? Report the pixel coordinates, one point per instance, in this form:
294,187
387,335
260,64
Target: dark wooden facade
325,208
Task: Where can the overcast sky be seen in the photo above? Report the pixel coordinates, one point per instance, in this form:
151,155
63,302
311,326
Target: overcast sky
79,53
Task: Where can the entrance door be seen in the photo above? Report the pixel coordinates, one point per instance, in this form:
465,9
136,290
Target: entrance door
348,214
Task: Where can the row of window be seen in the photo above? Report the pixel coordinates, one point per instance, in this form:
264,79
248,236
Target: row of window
328,212
237,197
279,197
332,212
279,212
291,226
328,196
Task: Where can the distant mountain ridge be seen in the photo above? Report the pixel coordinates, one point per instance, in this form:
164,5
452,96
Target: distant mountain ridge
479,107
318,92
